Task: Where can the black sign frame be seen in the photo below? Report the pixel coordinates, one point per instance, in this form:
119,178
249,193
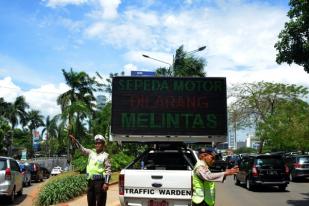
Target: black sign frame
169,106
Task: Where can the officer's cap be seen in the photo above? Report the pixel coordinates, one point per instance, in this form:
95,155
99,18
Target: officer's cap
99,138
208,150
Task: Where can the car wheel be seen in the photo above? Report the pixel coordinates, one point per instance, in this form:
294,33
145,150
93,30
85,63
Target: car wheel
237,182
282,187
12,196
249,185
20,192
292,178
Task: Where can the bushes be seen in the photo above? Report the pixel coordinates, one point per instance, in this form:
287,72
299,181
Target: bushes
120,160
61,188
65,187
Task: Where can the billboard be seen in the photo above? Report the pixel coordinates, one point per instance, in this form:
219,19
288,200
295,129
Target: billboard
165,106
36,140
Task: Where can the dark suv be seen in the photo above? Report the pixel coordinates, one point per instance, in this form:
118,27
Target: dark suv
263,170
299,166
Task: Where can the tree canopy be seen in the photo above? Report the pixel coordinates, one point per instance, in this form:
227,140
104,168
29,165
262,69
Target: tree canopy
257,102
184,65
293,42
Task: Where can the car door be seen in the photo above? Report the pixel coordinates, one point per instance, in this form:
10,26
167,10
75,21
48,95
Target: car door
17,176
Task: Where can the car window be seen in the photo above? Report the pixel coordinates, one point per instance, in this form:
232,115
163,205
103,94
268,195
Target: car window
14,166
303,160
262,161
3,165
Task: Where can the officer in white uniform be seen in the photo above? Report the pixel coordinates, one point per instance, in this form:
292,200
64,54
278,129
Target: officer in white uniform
98,171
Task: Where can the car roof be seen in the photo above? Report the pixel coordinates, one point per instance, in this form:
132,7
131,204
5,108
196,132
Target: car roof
262,155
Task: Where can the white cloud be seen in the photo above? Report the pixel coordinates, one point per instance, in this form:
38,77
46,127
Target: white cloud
128,68
43,98
109,8
61,3
8,90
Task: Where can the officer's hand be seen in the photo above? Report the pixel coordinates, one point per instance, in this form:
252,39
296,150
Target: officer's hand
72,138
231,171
105,187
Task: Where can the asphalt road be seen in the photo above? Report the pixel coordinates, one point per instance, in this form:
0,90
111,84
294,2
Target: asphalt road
228,194
25,199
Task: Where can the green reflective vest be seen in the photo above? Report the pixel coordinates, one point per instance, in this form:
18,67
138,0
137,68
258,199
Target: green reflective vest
202,190
95,164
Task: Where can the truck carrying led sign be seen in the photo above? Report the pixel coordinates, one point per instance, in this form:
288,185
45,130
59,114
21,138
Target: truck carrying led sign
169,106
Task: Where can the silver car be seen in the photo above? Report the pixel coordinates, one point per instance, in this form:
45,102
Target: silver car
11,179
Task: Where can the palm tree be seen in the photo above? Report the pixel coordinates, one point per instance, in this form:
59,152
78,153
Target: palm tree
184,65
34,119
50,127
50,130
79,100
15,113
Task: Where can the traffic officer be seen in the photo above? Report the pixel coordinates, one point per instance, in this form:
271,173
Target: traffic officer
98,171
203,178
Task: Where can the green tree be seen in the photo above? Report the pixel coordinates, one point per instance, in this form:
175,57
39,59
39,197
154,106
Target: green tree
259,101
288,128
184,65
16,113
78,100
293,43
77,104
50,131
236,119
4,128
34,120
102,121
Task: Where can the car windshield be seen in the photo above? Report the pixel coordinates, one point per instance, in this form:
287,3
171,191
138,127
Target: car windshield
274,161
303,160
2,164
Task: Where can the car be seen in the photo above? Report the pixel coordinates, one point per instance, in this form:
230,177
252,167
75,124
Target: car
263,169
36,172
46,172
56,171
219,165
11,179
232,161
299,166
25,171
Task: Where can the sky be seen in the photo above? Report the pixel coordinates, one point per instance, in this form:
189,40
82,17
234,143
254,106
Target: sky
39,38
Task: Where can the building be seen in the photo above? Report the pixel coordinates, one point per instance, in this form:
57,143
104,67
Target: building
232,140
252,142
101,101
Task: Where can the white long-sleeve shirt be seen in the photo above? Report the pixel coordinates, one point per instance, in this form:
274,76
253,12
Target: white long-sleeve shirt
205,174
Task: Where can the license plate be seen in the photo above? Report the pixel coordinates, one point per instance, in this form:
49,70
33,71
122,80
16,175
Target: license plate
157,203
273,172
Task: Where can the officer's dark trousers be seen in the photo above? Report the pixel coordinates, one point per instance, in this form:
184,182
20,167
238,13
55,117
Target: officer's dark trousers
201,204
95,194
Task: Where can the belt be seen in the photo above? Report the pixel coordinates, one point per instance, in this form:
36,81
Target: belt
96,177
